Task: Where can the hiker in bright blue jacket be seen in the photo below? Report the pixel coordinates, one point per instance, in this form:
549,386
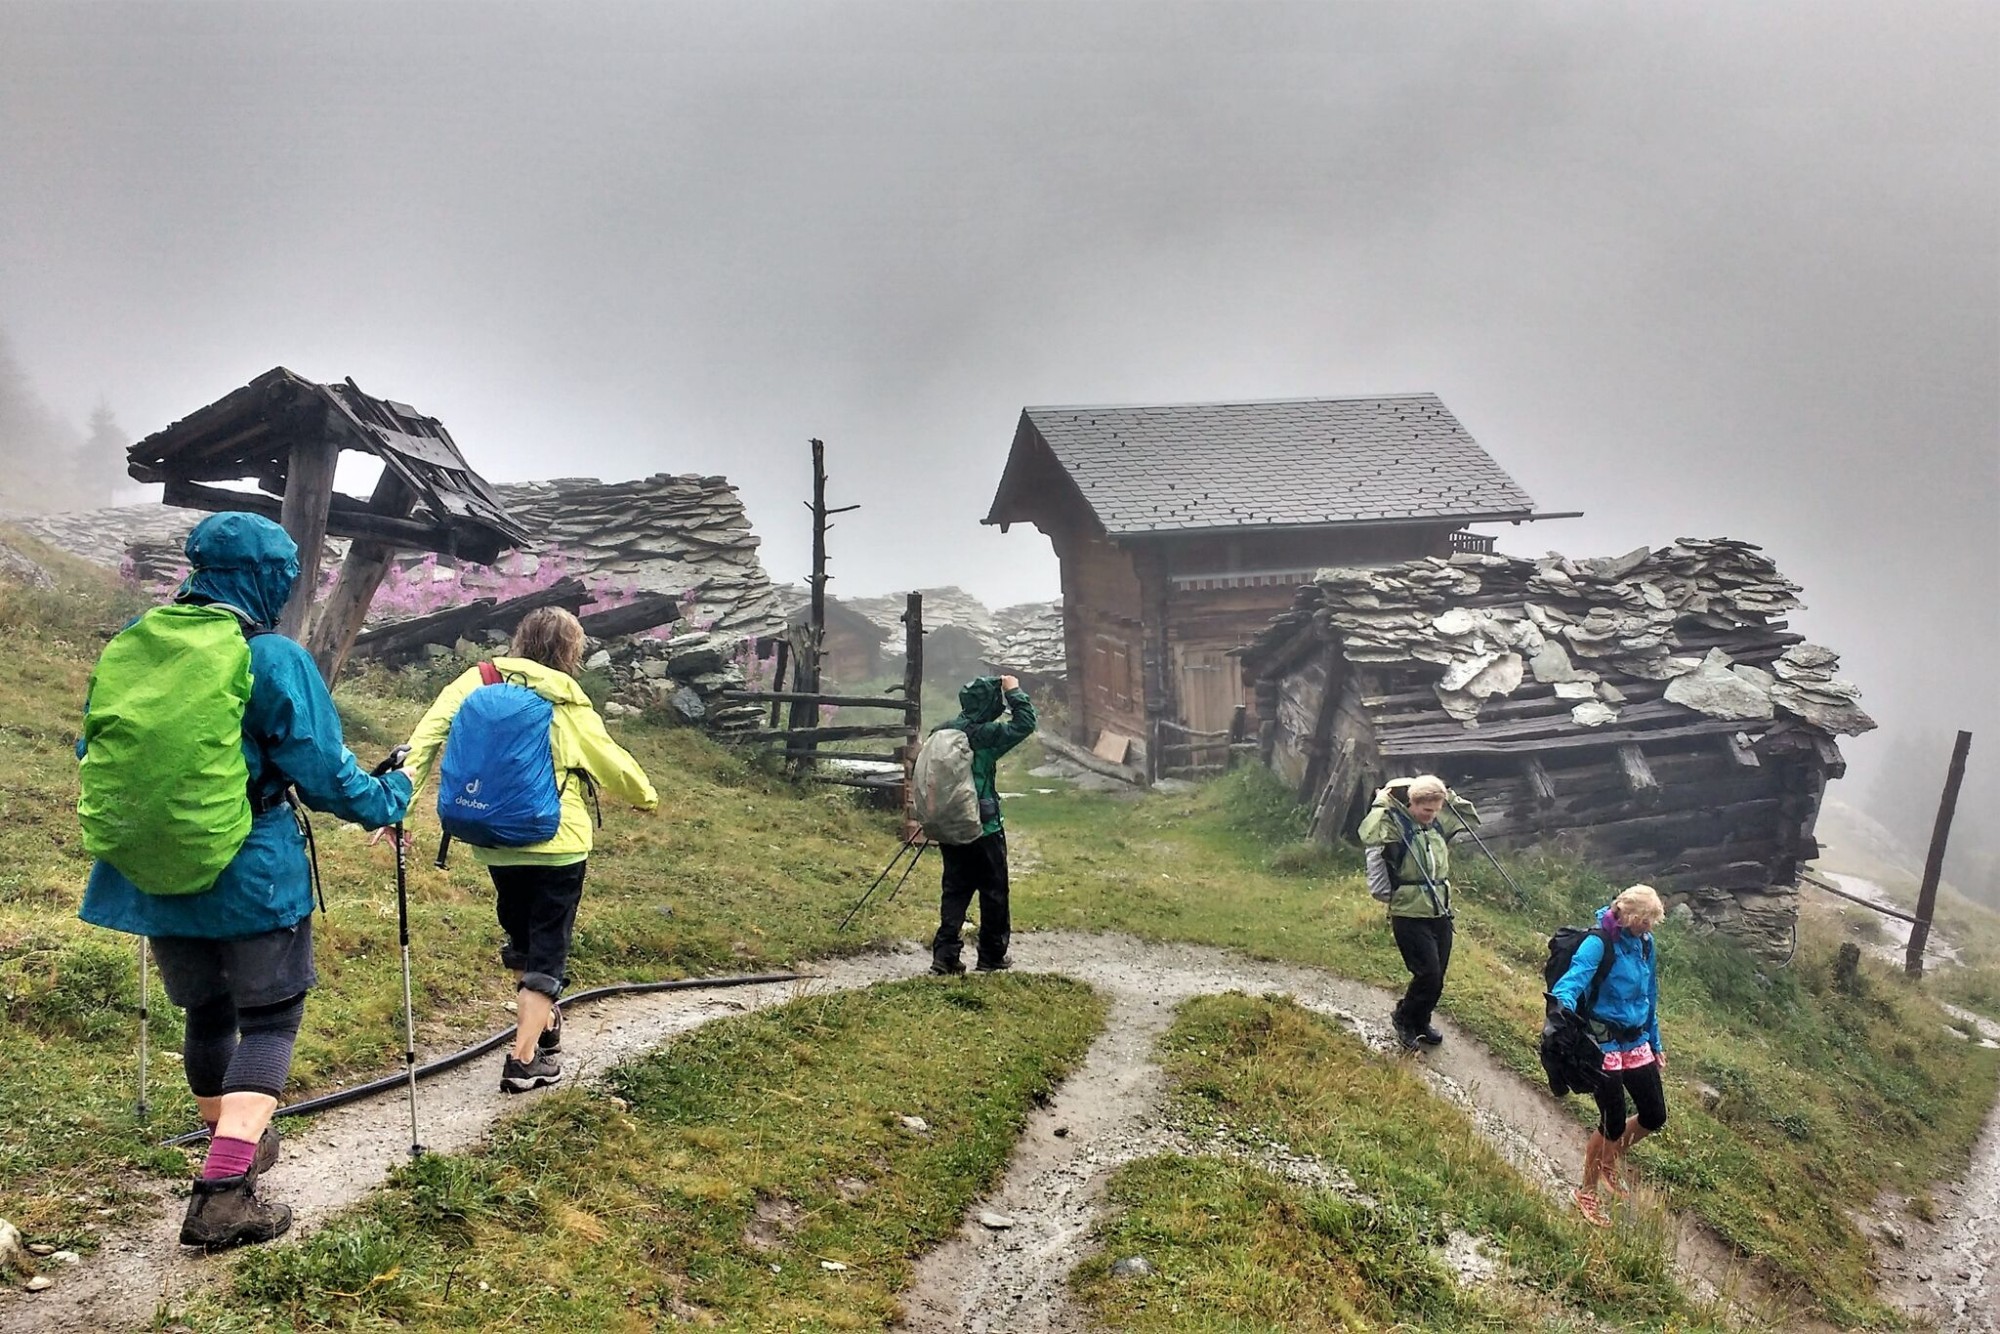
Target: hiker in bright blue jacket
238,956
1624,1019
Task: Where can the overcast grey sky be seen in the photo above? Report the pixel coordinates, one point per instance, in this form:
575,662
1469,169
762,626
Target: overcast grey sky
1703,269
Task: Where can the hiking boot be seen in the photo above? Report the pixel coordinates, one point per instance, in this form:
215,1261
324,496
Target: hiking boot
1430,1037
549,1042
1406,1037
943,965
226,1212
516,1077
267,1151
1005,962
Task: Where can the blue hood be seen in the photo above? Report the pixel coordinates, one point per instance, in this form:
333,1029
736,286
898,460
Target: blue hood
244,560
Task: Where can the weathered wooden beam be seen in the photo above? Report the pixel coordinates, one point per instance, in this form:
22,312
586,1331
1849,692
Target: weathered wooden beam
361,573
643,613
1583,739
838,701
454,623
303,512
343,520
877,757
1738,748
1913,959
809,735
1539,782
1638,775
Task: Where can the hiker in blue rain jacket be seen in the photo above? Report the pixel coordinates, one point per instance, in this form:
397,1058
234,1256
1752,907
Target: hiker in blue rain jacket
980,867
238,956
1624,1019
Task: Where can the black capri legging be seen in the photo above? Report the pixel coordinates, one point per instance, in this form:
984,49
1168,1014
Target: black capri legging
1649,1096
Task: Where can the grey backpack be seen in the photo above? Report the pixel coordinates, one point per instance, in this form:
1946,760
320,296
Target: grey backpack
945,802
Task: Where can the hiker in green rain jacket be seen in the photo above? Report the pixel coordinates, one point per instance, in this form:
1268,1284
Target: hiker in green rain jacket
1408,833
981,866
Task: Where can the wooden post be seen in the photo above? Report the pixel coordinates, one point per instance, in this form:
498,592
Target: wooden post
1913,960
361,574
806,667
913,697
784,651
805,662
308,494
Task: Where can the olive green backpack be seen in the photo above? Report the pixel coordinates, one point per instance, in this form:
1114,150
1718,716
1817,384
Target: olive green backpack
165,788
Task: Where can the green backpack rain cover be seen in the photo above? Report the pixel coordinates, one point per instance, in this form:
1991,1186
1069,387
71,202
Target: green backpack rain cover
165,789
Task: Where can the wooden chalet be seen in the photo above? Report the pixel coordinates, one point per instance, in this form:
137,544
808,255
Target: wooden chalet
286,433
1651,711
1183,529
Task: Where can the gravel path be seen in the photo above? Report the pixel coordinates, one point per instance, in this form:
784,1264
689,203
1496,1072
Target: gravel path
1108,1113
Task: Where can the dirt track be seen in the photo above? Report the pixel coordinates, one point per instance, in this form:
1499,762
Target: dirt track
1109,1112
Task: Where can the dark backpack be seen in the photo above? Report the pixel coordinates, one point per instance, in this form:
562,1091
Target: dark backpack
1571,1058
497,782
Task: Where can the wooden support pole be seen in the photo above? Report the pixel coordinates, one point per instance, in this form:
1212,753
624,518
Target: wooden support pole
784,651
1913,958
308,496
1539,781
806,670
913,693
361,574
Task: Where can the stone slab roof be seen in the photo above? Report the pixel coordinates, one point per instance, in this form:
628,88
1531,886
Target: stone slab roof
1292,462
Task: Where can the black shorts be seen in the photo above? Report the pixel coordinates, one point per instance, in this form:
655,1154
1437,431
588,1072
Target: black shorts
255,970
537,906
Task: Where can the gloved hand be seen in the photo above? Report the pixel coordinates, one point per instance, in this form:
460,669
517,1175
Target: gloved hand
390,762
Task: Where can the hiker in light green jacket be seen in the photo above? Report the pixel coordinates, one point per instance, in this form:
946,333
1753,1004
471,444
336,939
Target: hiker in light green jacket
1407,834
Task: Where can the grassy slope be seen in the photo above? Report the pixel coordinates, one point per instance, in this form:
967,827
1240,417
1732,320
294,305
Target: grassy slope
1826,1097
1237,1248
718,1185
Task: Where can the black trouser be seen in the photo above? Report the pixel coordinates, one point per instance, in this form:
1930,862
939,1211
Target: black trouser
1649,1096
537,907
1426,946
978,867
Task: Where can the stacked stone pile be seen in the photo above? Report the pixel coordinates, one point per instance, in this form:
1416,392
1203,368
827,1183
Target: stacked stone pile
663,534
1698,616
685,675
949,607
1031,640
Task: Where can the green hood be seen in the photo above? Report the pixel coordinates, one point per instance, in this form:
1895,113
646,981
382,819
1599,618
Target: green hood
979,701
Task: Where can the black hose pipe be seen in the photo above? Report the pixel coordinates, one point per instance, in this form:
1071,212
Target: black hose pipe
388,1083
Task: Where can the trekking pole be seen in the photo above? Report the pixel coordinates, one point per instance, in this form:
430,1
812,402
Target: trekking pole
395,761
921,849
1496,862
145,1023
901,849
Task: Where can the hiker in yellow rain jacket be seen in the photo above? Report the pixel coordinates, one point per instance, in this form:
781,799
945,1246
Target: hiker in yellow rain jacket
1407,834
538,887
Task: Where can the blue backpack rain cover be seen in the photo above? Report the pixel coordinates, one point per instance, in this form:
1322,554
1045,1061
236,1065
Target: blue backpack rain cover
497,782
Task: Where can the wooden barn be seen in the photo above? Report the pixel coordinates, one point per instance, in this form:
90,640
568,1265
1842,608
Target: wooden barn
1652,711
1183,529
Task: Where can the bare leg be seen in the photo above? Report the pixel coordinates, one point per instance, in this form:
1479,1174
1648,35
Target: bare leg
241,1116
1593,1160
536,1012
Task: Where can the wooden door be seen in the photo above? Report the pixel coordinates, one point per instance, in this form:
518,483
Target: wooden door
1210,686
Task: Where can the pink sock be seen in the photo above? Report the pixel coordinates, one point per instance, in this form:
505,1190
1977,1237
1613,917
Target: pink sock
228,1158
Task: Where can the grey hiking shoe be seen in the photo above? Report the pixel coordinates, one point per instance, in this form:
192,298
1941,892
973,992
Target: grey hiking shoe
226,1212
1001,965
1430,1037
516,1077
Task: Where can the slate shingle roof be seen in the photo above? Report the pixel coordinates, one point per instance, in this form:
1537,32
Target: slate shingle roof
1294,462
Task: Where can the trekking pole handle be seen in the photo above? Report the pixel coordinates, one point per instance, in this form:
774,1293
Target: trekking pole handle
390,762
